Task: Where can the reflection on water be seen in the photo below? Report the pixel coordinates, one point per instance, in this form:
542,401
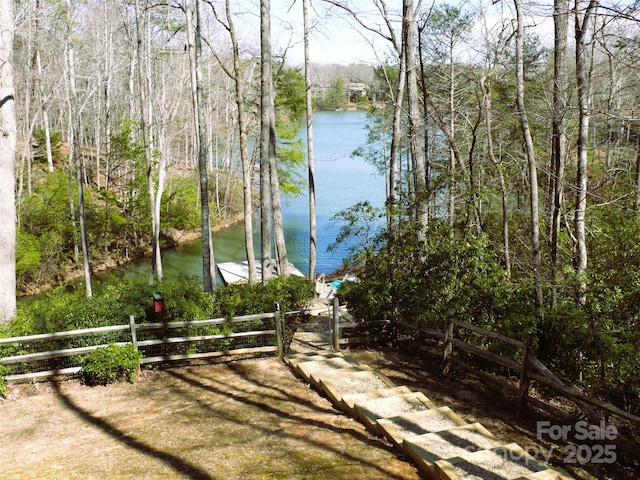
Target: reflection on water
341,181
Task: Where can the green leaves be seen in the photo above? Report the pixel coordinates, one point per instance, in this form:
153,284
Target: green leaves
291,293
361,224
107,364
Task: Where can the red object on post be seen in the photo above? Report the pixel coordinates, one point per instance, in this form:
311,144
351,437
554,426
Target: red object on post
158,302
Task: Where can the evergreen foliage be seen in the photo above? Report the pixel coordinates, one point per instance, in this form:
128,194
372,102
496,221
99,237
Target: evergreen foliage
107,364
290,293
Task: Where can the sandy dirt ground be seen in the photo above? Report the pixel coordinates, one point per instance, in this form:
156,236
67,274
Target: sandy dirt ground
245,419
250,419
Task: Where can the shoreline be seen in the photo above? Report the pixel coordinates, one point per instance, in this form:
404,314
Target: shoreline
170,237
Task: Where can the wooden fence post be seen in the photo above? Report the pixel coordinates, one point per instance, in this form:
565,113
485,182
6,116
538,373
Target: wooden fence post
524,376
335,325
279,331
134,335
447,346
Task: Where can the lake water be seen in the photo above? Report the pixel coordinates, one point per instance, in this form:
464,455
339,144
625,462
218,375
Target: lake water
341,181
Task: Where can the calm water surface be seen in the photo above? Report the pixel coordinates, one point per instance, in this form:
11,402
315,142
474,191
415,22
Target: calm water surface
341,181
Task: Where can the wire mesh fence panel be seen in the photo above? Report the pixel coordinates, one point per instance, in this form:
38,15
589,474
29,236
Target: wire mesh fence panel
48,354
63,352
165,341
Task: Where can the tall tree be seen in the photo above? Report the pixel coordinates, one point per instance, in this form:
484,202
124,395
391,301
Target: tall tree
143,54
194,35
247,168
582,19
267,137
559,135
75,159
7,164
310,151
414,128
529,153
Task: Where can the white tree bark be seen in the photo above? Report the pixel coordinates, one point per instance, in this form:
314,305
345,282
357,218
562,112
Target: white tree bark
581,22
310,153
192,12
75,162
415,138
146,116
267,138
531,162
7,165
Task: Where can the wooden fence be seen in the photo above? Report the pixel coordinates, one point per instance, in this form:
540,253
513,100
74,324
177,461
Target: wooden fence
61,353
528,369
50,354
45,355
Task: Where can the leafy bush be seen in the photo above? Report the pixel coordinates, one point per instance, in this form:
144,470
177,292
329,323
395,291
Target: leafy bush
28,256
177,204
186,300
291,293
60,310
4,392
107,364
419,281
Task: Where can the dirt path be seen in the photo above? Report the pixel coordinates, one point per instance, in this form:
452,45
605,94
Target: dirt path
248,419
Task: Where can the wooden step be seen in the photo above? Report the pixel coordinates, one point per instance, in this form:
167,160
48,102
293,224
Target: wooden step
295,358
506,462
551,473
426,449
354,382
371,411
315,371
349,401
411,425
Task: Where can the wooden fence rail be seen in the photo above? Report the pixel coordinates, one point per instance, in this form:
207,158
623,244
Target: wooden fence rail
529,369
263,340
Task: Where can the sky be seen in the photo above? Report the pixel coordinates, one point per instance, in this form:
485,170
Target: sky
333,38
337,39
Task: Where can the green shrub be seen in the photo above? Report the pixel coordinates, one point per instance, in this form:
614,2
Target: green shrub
4,392
291,293
185,300
177,204
107,364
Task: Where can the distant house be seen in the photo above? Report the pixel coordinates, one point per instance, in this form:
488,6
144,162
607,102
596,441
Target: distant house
357,91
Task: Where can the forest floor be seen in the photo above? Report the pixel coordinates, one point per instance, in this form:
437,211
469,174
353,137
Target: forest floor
243,419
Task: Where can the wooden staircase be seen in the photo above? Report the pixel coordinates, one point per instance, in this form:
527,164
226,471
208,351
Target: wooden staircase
442,444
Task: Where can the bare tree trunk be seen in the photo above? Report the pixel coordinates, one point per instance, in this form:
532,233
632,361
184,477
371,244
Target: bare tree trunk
485,83
559,138
282,261
415,139
195,53
108,67
247,170
75,159
310,152
43,97
531,161
267,137
582,82
452,132
7,165
144,81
